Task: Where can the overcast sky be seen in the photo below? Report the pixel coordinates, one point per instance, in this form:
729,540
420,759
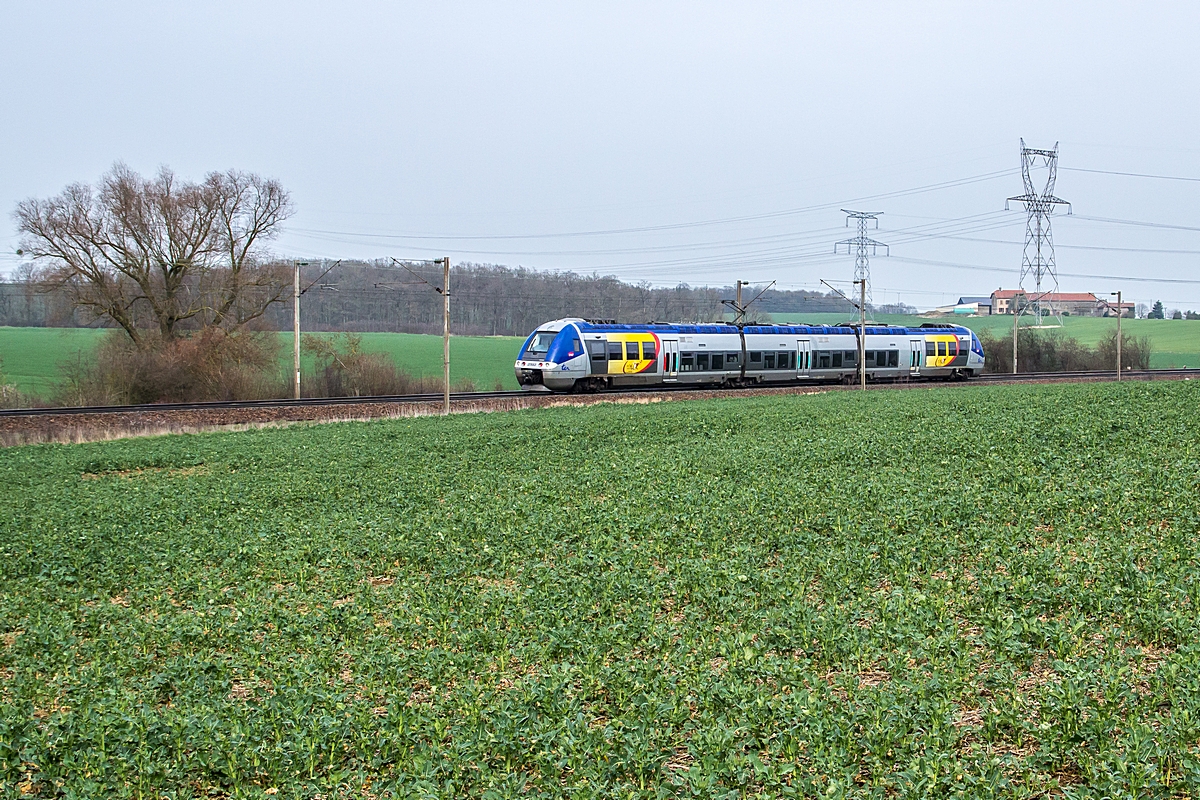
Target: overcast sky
541,134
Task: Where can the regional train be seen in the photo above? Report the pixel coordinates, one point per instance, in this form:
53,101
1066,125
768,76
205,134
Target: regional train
580,355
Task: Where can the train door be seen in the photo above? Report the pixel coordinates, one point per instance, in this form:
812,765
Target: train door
670,360
803,357
916,355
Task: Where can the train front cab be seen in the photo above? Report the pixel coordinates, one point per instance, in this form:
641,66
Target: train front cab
552,356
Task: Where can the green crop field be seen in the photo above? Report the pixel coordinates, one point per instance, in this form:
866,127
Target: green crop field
32,358
1176,342
955,592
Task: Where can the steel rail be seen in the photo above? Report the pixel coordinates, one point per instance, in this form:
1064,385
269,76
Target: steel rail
220,405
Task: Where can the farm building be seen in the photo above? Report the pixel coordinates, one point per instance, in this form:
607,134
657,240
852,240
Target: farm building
1108,309
977,306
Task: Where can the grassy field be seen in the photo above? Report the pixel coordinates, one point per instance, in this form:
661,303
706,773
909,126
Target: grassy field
486,360
32,358
1176,342
957,592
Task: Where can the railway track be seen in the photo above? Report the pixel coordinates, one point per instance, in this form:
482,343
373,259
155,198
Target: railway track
1021,377
217,405
1101,375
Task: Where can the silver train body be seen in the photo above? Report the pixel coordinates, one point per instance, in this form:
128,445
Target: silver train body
577,355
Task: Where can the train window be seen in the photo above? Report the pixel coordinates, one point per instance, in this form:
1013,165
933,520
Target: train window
631,351
648,351
849,358
768,361
930,349
614,351
687,362
702,361
596,351
756,358
540,344
881,358
893,358
783,361
869,357
731,359
718,361
951,348
837,358
823,356
941,346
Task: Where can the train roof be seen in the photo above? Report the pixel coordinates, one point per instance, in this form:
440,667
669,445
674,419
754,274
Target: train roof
660,327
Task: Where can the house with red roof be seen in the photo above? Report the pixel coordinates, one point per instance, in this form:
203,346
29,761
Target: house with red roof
1079,304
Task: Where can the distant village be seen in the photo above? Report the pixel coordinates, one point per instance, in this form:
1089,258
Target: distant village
1006,301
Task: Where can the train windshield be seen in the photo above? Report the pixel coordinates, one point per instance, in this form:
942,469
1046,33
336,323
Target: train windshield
540,344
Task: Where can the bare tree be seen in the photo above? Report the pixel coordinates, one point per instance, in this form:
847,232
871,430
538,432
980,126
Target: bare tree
161,253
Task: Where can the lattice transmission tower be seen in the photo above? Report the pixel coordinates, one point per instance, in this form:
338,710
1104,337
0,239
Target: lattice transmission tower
1038,257
862,244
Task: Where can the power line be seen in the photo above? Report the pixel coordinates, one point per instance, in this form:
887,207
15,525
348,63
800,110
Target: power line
1133,174
618,251
1060,245
679,225
793,237
1137,223
1092,276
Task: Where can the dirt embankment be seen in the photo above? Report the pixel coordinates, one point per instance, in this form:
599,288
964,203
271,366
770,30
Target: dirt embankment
52,427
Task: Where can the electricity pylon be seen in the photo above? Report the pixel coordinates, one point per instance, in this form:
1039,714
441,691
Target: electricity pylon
861,243
1038,257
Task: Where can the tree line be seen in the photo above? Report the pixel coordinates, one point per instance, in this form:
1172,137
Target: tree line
486,300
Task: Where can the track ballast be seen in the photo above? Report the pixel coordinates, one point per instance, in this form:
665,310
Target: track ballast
990,378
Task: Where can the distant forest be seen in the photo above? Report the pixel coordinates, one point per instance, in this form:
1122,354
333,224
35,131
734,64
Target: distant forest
485,300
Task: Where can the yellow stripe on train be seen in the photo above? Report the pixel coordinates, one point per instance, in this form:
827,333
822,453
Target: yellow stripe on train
634,352
946,347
